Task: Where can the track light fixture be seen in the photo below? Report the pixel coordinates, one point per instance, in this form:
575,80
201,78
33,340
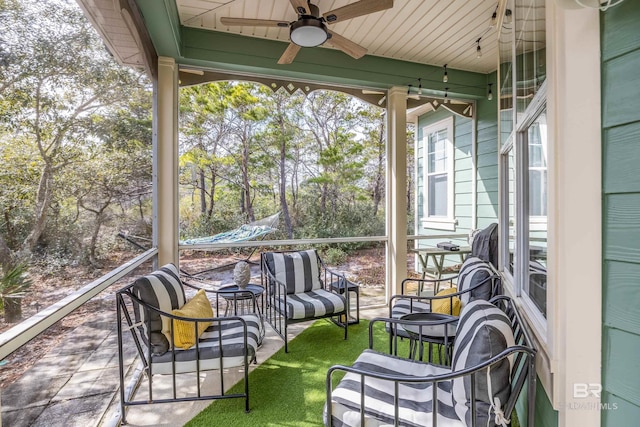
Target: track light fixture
478,49
446,95
445,77
490,94
419,86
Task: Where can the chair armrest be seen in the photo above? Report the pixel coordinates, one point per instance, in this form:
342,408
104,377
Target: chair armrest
421,284
430,298
526,374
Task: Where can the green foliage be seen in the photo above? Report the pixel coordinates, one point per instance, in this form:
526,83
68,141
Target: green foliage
75,141
334,256
14,283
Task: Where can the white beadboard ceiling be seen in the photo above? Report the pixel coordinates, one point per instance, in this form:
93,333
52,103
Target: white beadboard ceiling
434,32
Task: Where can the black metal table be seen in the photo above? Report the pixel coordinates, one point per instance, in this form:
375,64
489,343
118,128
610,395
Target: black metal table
248,300
338,286
436,328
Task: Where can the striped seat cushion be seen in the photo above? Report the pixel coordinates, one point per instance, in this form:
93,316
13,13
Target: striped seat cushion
403,306
415,400
483,332
306,305
161,289
232,348
299,271
472,272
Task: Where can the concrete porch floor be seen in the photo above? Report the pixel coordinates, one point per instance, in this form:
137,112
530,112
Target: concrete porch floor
76,384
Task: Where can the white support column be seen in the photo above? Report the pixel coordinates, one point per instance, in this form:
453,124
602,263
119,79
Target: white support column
396,189
165,173
575,212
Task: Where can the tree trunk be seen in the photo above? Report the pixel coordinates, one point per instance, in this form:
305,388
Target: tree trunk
212,194
12,309
246,187
43,199
203,193
283,186
378,186
6,257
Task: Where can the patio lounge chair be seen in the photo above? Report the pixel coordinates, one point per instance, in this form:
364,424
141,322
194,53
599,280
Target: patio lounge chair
298,288
493,357
476,280
173,336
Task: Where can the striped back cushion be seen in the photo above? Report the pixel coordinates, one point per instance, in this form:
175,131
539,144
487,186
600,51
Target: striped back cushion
483,332
298,270
161,289
472,272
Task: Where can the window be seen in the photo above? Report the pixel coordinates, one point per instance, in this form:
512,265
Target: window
524,155
438,175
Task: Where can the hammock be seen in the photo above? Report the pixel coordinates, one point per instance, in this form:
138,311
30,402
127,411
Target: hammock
244,232
250,231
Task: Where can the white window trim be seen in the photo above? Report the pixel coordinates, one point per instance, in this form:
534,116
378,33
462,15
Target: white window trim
570,349
438,222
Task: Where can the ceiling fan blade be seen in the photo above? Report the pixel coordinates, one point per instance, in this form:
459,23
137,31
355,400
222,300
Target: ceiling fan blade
253,22
372,92
347,46
289,54
301,7
359,8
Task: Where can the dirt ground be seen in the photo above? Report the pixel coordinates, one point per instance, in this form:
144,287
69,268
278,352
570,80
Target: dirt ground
50,285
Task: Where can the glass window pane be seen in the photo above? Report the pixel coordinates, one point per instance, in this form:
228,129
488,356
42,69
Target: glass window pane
531,70
536,287
437,151
512,210
438,195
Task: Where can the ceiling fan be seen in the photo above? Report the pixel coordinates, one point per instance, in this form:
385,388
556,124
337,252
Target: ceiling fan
310,29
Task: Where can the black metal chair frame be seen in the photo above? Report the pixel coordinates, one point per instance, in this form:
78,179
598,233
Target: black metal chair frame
395,332
277,291
125,300
524,353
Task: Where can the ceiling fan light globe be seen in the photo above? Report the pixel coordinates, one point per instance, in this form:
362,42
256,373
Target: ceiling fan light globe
308,32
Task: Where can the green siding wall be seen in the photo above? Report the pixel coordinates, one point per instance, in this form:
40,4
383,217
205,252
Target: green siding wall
487,158
463,171
486,162
620,37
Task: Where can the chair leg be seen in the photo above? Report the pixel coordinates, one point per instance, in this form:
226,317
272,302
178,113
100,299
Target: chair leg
346,326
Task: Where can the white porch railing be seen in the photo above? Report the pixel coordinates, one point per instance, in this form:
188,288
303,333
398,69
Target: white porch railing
14,338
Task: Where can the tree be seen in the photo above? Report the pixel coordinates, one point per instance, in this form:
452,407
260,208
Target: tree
57,79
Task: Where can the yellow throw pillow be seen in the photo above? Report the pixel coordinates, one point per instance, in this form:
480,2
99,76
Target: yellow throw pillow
444,305
184,333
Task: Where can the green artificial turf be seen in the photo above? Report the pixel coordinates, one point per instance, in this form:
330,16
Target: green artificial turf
289,388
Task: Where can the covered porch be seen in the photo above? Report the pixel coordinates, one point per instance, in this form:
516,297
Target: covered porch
420,54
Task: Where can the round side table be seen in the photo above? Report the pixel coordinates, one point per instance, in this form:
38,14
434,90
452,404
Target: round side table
241,299
436,330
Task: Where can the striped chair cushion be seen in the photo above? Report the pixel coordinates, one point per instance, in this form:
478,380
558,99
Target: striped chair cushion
161,289
414,399
483,332
311,304
298,270
403,306
210,350
472,272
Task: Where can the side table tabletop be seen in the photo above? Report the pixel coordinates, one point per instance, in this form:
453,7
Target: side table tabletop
437,331
242,297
